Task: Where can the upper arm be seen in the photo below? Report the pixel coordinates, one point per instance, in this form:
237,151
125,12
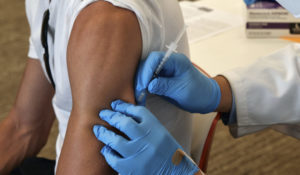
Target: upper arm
103,53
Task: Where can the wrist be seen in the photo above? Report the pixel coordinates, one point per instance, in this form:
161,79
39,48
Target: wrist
226,94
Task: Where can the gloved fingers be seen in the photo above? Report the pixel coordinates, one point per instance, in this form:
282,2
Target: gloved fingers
151,64
138,113
123,123
140,97
113,140
147,68
176,65
127,109
144,74
111,157
164,86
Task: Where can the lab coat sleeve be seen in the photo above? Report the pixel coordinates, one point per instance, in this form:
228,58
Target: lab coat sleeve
230,118
267,93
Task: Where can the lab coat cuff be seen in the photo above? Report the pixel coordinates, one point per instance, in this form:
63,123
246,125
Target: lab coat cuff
239,91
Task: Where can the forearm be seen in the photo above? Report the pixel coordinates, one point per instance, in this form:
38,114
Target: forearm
25,130
17,143
11,147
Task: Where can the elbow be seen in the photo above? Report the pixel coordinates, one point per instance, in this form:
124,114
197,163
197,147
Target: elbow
23,127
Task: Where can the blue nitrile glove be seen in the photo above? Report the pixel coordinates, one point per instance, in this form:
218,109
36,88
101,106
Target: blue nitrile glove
150,150
180,82
249,2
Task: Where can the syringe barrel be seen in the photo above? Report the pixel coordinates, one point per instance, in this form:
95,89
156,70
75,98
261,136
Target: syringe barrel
171,49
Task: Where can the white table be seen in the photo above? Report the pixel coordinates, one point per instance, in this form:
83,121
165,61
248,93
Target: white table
231,49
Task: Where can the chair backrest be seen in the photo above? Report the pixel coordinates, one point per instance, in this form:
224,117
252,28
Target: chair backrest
203,133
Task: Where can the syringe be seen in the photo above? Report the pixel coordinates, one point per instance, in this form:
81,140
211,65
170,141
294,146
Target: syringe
171,49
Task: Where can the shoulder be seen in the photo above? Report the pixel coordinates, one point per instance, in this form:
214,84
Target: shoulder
101,22
102,14
123,13
102,26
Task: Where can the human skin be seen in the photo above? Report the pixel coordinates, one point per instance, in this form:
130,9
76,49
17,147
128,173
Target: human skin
26,128
226,94
103,53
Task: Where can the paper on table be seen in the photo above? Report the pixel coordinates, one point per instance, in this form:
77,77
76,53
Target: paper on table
204,21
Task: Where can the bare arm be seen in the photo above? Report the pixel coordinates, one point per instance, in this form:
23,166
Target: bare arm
26,128
103,54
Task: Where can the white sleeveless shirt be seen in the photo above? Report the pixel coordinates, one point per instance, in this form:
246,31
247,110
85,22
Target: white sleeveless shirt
160,21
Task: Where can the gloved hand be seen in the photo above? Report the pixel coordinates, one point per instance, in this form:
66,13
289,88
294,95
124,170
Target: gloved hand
179,81
150,150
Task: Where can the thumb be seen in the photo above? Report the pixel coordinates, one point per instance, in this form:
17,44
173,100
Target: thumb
147,69
144,74
163,86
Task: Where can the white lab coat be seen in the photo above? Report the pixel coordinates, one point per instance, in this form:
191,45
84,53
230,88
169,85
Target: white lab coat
267,93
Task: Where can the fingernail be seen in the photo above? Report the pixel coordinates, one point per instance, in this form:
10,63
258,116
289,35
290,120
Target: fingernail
102,113
115,103
96,130
151,85
103,150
